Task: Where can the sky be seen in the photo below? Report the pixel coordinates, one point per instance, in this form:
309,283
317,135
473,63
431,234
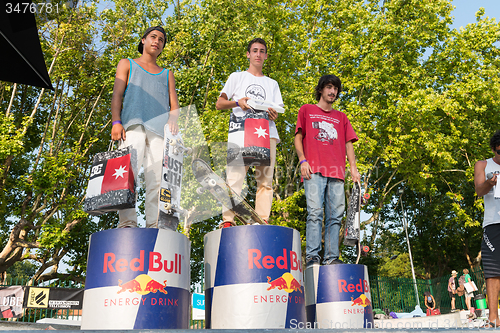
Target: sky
465,11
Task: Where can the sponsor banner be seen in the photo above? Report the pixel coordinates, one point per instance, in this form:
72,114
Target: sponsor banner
137,279
253,277
338,294
53,298
11,302
198,302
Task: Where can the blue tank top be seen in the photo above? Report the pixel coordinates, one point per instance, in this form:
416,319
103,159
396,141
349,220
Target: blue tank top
146,99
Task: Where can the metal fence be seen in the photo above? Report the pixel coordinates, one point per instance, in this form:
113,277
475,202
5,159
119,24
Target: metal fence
398,294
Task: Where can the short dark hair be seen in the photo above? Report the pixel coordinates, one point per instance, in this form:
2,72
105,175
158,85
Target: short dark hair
495,140
256,40
325,80
140,47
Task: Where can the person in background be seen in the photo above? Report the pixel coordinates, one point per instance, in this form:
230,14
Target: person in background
485,181
468,296
452,290
430,302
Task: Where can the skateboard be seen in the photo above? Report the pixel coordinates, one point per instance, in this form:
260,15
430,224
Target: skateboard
352,225
171,180
260,105
210,181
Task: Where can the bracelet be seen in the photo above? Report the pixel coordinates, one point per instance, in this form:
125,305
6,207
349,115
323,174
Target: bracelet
303,161
116,122
237,105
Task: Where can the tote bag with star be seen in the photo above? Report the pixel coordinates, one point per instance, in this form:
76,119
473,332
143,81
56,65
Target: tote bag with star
248,140
112,183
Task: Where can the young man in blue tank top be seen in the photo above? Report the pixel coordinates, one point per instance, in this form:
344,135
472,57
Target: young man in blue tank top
485,181
147,92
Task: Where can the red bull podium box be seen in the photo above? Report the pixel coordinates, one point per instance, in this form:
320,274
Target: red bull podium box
137,279
338,296
253,278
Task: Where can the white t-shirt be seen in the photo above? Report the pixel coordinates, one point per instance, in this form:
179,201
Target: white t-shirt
491,205
244,84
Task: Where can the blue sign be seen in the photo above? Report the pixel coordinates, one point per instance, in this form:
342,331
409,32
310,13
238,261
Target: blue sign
199,301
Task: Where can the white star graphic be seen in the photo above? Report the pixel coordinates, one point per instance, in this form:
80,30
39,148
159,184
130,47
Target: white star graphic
119,172
260,132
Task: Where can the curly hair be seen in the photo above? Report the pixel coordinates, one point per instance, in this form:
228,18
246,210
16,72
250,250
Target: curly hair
325,80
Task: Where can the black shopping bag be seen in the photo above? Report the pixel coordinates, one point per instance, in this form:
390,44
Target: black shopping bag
112,183
248,139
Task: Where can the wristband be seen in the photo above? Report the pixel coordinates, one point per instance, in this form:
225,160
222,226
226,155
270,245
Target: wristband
116,122
237,105
303,161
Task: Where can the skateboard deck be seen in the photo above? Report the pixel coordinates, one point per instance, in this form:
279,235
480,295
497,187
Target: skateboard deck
171,180
352,225
210,181
261,105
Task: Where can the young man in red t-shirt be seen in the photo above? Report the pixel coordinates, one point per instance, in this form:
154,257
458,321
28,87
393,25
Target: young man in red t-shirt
323,139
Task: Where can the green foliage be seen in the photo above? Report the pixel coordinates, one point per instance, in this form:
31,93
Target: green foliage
21,271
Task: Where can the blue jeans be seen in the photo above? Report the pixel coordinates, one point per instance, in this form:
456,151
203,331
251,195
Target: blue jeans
329,191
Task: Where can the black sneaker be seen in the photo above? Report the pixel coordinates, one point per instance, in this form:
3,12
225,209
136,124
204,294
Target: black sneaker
312,262
335,262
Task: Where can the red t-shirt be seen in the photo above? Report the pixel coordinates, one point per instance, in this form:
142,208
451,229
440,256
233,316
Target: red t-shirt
324,135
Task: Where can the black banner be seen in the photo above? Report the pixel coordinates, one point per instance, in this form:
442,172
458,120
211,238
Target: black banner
53,298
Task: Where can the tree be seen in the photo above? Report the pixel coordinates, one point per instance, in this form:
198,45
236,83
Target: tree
47,142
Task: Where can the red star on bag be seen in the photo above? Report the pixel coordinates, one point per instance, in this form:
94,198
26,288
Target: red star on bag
258,137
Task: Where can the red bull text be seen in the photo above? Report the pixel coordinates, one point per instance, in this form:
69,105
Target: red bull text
291,261
156,264
361,287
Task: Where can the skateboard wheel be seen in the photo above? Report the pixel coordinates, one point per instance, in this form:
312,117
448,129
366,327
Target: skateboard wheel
168,206
200,190
173,142
366,249
212,182
366,196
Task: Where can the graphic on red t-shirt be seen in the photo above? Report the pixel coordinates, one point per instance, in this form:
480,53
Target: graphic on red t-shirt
324,137
326,133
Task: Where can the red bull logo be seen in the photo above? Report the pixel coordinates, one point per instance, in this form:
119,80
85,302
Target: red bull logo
142,285
113,264
285,282
360,287
286,261
362,300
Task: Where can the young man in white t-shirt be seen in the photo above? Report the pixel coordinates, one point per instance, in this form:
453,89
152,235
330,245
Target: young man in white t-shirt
239,88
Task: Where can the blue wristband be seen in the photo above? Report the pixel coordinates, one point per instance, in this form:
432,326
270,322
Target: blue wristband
237,105
303,161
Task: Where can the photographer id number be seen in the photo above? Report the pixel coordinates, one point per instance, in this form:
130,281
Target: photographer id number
28,7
